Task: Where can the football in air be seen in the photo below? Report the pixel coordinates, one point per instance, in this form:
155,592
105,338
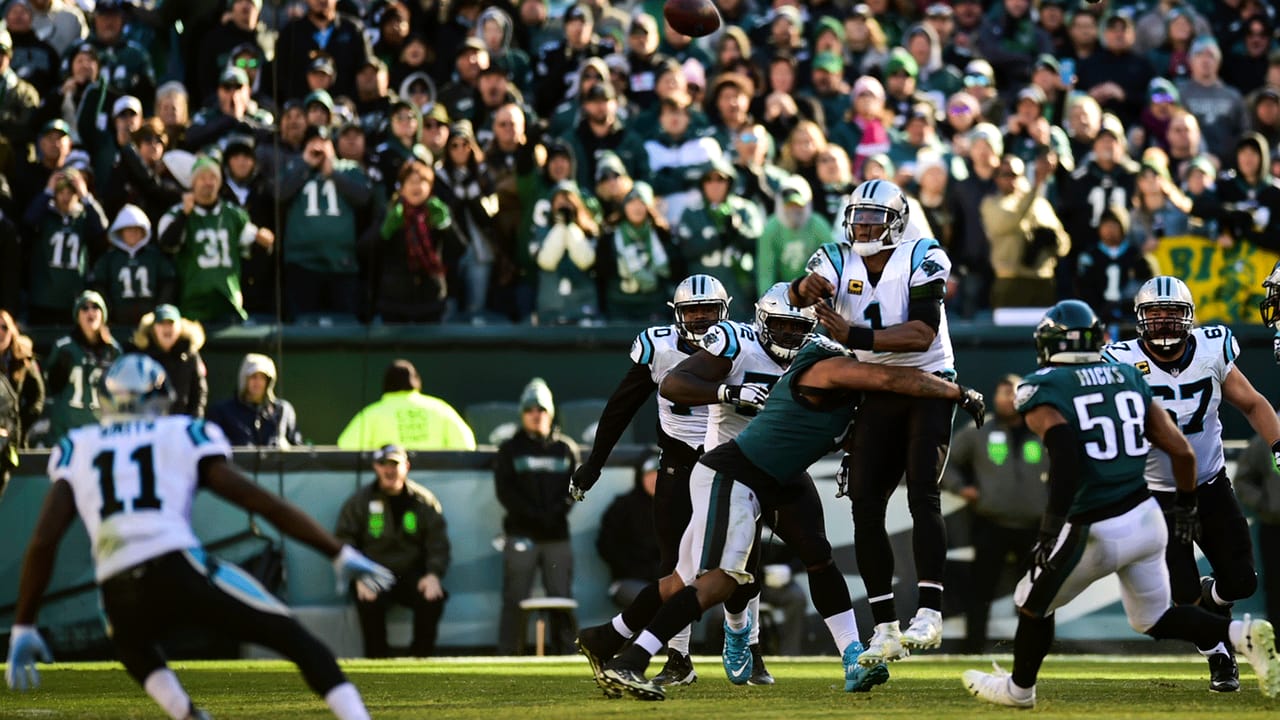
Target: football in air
695,18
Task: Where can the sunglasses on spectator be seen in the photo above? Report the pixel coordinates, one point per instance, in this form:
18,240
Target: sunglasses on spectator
977,80
959,110
247,63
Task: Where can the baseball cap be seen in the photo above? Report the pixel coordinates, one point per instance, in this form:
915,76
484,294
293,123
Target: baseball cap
88,297
390,454
56,125
1118,17
167,313
316,131
323,63
868,85
439,113
233,77
128,102
319,96
109,6
85,49
901,61
607,161
829,24
1112,125
1049,62
600,91
1206,43
938,10
990,134
791,14
861,10
641,191
1203,164
830,62
1160,90
474,43
1032,93
1268,93
645,23
238,143
578,12
979,73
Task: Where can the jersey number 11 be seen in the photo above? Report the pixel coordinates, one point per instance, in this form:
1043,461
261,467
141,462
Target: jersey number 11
146,500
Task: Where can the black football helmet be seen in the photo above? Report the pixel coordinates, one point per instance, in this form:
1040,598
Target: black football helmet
1069,334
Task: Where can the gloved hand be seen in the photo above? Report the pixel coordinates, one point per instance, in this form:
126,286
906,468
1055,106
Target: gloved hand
1186,518
746,395
350,564
25,648
1046,541
1275,346
582,481
437,214
973,403
842,477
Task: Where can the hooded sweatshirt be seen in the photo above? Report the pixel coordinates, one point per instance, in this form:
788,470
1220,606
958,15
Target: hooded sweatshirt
133,279
785,248
513,59
271,423
182,363
1250,212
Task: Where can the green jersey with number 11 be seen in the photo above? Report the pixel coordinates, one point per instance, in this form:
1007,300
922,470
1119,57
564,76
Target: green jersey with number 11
1106,405
207,256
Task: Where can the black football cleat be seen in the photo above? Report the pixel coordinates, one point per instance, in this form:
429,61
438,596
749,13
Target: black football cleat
1224,673
598,644
760,675
678,670
626,674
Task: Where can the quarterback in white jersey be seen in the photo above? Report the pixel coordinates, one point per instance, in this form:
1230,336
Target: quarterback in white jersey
1192,370
132,479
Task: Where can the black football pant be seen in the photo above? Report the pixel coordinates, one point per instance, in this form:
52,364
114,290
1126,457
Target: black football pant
672,508
993,547
894,434
186,588
426,619
1224,540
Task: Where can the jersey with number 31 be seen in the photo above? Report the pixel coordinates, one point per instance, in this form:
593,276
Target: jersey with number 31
134,482
1191,390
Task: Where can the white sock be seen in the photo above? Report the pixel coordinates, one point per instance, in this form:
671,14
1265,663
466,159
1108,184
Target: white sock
621,627
680,643
649,642
163,687
738,620
1219,649
1235,633
344,700
1213,593
844,629
1020,692
753,607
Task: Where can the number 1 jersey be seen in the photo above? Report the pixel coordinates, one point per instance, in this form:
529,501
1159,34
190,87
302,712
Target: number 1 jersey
134,482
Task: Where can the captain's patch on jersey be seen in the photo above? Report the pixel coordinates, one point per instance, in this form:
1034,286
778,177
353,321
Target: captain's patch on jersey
1144,366
855,287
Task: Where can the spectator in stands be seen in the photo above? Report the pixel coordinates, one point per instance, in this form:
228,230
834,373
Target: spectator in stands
1011,40
234,112
502,158
53,148
713,236
1246,66
556,62
404,130
206,236
565,252
21,386
245,187
18,105
495,28
627,542
868,48
531,479
568,114
458,96
634,263
1200,186
937,202
799,154
601,129
1249,197
980,82
323,28
11,266
1171,58
103,143
970,249
1026,131
68,227
241,24
1265,114
173,107
676,156
323,195
1153,27
464,185
1106,176
321,75
1026,236
408,253
963,113
1082,31
1160,208
73,369
1182,141
866,133
406,417
613,184
352,144
1117,76
134,275
1110,271
35,60
1218,107
901,92
1257,482
792,234
999,471
126,65
435,130
63,101
729,103
918,135
140,176
400,525
373,99
758,178
60,23
255,416
175,343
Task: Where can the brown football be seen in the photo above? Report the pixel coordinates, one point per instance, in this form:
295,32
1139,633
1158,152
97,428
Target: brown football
696,18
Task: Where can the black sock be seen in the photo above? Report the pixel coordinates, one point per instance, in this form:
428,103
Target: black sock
930,597
678,611
882,611
1031,643
1190,622
742,595
641,610
829,591
633,658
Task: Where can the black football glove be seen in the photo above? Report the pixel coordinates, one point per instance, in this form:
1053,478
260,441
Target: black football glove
842,477
1046,541
583,478
972,402
1185,518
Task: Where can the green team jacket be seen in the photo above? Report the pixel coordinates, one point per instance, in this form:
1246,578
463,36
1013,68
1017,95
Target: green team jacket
722,247
207,247
74,369
133,283
782,253
60,255
320,224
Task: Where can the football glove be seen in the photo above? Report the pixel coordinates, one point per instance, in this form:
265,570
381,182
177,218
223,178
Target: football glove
25,648
350,565
1046,541
972,402
1275,346
582,481
1185,518
746,395
842,477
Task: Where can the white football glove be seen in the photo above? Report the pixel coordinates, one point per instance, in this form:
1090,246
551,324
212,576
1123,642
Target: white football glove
842,477
25,648
350,565
746,395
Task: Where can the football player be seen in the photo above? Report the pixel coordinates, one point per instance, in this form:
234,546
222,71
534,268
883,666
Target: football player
132,478
1192,370
1269,308
699,302
1098,421
881,295
732,486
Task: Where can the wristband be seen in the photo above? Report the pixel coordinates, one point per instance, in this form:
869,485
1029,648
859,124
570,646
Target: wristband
860,338
795,286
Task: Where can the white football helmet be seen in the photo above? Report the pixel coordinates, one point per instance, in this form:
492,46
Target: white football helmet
878,203
698,290
1270,305
135,385
782,326
1166,293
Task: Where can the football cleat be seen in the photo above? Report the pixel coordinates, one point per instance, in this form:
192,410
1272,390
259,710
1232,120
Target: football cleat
760,674
1224,673
1258,646
597,646
678,670
858,678
925,630
996,687
737,654
198,714
885,646
624,679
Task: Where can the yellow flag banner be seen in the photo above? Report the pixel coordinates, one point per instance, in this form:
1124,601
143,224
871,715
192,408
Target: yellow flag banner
1226,283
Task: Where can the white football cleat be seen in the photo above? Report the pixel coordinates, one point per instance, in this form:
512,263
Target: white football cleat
925,630
1258,646
885,646
996,688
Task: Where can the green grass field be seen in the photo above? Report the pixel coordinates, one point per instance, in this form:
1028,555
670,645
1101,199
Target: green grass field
925,688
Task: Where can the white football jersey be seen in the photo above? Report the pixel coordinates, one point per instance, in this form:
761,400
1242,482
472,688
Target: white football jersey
134,482
661,348
1191,390
751,364
913,264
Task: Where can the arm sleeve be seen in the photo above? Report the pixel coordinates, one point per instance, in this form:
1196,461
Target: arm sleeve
353,184
296,174
1063,445
636,387
553,248
199,392
582,249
